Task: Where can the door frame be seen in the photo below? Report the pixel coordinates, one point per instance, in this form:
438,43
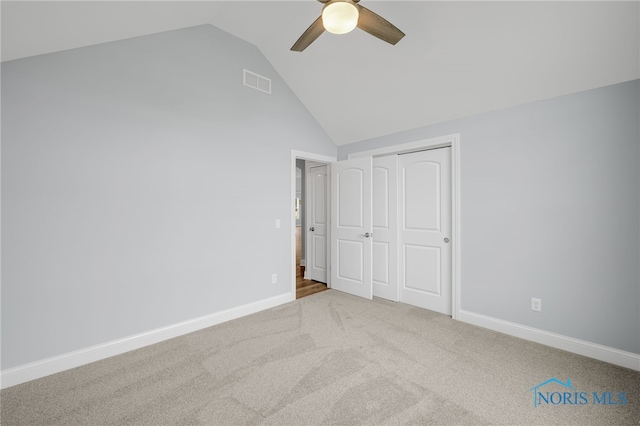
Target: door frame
317,158
452,141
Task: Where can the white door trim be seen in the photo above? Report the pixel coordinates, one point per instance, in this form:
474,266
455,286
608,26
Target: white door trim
454,142
307,156
438,142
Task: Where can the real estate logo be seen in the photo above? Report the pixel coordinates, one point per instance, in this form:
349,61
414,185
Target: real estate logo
571,396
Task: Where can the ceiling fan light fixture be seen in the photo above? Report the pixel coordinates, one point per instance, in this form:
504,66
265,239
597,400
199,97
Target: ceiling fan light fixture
339,16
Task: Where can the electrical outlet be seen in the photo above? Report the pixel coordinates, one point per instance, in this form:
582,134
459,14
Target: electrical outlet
274,278
536,304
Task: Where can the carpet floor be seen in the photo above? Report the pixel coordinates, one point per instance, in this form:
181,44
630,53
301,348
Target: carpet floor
332,358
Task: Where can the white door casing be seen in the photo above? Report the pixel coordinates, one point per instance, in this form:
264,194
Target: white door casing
351,226
425,229
385,232
316,223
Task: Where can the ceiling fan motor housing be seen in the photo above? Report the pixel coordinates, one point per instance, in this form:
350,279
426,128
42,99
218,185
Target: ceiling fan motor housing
340,16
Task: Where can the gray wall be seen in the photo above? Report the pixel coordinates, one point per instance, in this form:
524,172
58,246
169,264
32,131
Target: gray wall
550,209
140,186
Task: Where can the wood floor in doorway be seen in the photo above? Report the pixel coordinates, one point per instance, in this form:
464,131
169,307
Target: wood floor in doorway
304,287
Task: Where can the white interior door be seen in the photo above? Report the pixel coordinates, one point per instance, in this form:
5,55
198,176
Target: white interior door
425,229
316,253
351,227
385,227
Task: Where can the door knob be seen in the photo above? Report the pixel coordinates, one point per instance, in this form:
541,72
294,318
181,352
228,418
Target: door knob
312,229
366,235
446,240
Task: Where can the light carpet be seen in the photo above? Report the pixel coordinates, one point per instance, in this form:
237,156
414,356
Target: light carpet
331,358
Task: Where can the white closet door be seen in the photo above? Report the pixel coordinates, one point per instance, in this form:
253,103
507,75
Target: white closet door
351,226
385,227
425,229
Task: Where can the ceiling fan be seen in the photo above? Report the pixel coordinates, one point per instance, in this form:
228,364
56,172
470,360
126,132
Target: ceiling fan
342,16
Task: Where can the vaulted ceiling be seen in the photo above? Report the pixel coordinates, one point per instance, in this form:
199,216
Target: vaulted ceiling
457,58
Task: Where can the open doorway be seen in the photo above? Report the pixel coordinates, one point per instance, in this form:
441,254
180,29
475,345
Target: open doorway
306,281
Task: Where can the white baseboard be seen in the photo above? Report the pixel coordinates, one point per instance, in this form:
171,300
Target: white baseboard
35,370
581,347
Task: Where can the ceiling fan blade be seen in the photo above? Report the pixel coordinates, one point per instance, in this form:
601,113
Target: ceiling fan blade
377,26
313,32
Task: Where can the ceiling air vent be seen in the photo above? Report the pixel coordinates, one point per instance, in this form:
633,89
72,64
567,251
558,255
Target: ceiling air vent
257,81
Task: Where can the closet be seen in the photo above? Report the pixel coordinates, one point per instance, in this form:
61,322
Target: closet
391,223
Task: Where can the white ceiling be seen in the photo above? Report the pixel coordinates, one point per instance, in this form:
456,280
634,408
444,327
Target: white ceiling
457,59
